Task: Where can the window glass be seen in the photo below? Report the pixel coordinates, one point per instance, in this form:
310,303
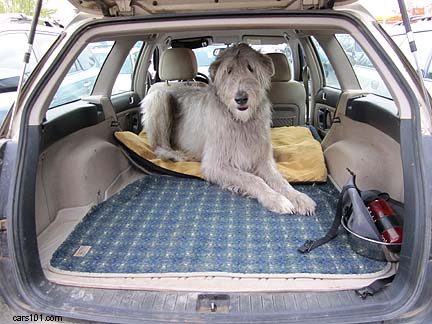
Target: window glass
87,60
366,73
151,72
329,72
101,50
276,48
74,67
12,55
424,49
124,78
428,74
428,78
206,55
82,75
152,67
44,42
12,49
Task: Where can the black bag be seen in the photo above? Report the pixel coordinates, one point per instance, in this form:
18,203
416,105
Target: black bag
377,236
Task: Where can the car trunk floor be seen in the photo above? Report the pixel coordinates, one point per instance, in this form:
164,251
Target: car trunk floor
162,225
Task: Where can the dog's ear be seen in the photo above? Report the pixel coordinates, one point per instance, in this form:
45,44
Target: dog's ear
214,66
268,64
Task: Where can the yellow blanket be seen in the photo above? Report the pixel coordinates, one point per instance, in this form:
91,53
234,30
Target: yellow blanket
298,155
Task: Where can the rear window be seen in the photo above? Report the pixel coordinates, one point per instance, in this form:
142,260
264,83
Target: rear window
206,55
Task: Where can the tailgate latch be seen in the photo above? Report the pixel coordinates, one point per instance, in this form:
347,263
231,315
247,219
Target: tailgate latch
213,303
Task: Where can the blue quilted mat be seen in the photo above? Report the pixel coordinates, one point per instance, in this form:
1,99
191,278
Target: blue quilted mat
164,224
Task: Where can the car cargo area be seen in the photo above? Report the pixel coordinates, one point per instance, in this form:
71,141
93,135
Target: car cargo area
105,221
172,232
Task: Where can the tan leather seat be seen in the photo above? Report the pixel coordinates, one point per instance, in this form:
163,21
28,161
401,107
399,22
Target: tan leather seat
178,65
287,96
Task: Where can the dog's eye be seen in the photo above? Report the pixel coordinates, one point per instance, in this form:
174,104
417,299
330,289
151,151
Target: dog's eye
229,71
250,68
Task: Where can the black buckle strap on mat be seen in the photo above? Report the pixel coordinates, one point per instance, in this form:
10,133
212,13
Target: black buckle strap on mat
309,245
374,287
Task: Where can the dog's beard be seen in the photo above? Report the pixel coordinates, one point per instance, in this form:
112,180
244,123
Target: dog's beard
242,113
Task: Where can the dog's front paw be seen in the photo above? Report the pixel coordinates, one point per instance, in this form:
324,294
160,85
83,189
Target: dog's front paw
304,205
277,203
170,155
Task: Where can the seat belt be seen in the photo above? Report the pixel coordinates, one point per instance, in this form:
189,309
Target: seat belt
305,78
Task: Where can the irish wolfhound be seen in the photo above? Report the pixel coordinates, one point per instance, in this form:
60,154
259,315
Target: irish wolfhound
226,126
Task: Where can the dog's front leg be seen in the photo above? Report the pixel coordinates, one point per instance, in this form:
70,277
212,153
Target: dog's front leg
270,174
249,184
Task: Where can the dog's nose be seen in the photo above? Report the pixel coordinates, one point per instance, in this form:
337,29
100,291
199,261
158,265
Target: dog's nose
241,98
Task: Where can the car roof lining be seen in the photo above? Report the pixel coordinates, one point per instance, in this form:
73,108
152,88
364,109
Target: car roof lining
232,34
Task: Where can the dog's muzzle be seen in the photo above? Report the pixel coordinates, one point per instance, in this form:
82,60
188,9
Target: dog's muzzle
241,99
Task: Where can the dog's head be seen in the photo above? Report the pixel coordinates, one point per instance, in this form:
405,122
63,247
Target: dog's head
242,76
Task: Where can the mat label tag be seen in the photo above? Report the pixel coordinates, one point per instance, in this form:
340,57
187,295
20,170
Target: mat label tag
82,251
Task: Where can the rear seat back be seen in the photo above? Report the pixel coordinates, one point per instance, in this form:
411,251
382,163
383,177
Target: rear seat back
180,65
287,96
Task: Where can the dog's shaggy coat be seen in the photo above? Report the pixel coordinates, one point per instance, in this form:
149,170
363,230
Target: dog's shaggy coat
226,126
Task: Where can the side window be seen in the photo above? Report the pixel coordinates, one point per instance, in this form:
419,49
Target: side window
152,67
428,77
428,74
152,75
366,73
82,75
329,72
74,67
124,79
87,60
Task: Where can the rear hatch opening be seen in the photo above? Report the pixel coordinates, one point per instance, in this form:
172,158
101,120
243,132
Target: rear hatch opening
197,248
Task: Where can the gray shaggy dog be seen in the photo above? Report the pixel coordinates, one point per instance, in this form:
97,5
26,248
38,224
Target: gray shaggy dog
226,126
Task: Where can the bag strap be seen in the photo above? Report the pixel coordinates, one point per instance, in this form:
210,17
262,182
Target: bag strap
309,245
374,287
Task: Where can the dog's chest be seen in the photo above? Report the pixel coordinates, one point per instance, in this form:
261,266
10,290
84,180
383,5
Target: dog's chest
244,147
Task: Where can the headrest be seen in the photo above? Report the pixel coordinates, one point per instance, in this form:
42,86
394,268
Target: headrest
178,64
281,67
